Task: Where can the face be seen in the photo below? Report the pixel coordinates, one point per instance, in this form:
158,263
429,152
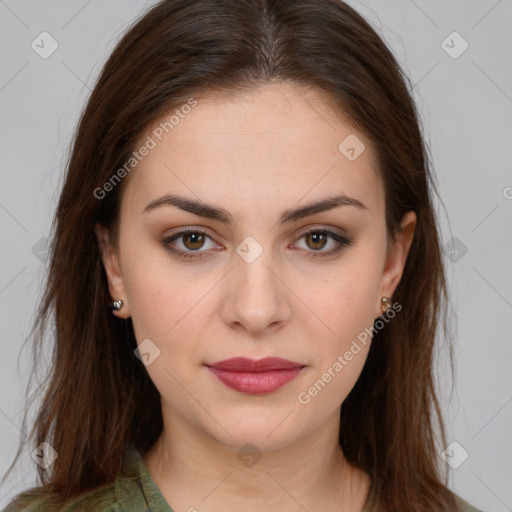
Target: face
253,280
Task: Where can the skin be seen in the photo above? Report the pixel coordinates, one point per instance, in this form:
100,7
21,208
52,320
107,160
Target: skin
255,155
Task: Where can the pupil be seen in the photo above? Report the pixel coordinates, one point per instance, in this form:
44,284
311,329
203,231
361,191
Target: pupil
318,238
196,239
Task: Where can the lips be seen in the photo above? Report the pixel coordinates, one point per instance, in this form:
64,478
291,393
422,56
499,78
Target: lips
242,364
255,376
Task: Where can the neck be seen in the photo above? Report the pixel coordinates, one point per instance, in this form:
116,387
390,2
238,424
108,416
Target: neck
193,470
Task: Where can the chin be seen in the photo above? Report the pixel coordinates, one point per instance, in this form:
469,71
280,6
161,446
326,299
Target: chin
273,434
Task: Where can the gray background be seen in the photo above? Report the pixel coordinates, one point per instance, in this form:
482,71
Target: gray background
466,105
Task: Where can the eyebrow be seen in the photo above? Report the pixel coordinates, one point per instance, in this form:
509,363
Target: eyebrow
216,213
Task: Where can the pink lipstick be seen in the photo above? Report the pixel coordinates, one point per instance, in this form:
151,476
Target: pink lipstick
255,376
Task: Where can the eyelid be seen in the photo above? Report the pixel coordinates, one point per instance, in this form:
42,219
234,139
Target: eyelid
324,228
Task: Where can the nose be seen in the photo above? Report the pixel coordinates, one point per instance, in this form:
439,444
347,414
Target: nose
256,298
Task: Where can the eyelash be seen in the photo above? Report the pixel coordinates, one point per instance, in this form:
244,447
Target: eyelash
190,255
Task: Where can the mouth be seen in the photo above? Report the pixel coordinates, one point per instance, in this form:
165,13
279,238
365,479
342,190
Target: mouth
255,376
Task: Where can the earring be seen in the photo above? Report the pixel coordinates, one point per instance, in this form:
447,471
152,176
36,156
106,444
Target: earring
385,303
116,305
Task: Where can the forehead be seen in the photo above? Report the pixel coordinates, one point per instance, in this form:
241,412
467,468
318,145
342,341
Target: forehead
276,143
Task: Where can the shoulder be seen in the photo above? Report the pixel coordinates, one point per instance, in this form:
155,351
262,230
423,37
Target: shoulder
102,499
465,506
121,495
462,505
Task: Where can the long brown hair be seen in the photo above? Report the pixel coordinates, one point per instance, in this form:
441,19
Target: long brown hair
98,397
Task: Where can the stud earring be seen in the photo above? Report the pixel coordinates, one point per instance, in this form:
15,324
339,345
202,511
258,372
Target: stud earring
385,303
116,305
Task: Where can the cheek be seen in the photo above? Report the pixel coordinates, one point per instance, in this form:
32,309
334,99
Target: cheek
339,345
162,295
344,299
167,309
341,341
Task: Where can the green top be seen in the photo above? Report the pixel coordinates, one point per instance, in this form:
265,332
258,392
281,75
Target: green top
133,491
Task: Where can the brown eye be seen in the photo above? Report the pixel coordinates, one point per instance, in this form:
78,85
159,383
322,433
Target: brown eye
316,240
188,244
193,241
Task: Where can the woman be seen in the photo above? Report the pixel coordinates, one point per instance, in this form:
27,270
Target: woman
246,277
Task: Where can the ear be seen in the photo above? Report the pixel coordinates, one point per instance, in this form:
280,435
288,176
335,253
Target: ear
110,261
395,258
